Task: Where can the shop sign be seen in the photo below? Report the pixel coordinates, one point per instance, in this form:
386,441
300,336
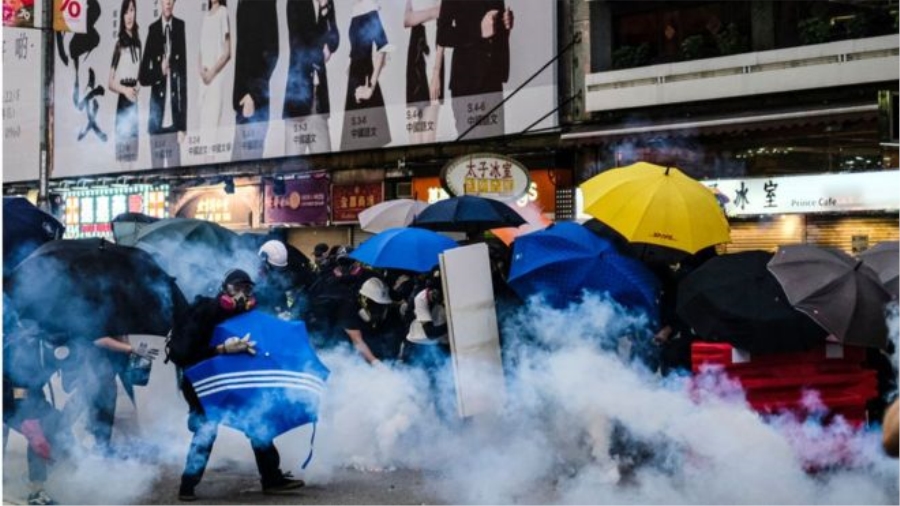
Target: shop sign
486,175
89,212
213,204
348,200
821,193
305,201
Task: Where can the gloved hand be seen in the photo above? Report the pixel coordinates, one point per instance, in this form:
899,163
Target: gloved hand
144,352
34,433
236,344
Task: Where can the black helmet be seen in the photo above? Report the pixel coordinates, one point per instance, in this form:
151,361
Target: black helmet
237,277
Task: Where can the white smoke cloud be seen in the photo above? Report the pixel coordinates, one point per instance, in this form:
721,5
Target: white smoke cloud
583,425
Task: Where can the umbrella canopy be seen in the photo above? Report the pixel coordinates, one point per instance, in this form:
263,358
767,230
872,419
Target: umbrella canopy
834,289
734,298
90,288
25,228
468,214
651,204
650,254
411,249
127,225
534,221
390,214
565,258
265,394
197,252
884,259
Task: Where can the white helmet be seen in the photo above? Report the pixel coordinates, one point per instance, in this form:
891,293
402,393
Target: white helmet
374,290
275,253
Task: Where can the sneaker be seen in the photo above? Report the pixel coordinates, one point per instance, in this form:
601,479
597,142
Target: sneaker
186,494
286,483
40,497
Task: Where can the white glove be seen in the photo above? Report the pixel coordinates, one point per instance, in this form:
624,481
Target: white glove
236,344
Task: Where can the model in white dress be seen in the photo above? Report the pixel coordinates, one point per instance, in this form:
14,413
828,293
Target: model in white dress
215,53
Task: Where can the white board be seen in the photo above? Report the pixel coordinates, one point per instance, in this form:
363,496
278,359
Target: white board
473,331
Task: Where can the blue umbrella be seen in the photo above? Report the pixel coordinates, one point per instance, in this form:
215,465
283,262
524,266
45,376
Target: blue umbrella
265,394
564,259
25,228
412,249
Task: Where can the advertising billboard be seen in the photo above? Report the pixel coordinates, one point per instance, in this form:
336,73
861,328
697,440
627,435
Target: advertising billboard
164,83
22,104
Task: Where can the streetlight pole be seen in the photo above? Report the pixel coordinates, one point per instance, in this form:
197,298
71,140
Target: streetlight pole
45,165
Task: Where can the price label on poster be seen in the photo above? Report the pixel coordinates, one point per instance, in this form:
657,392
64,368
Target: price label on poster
70,16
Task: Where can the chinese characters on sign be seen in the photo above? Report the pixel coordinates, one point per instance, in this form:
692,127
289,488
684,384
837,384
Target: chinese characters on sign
305,201
486,175
89,213
348,201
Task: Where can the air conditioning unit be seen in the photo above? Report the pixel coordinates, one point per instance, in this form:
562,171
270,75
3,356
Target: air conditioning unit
404,190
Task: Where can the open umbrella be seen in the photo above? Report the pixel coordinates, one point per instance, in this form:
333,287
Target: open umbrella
127,225
650,254
411,249
651,204
89,288
197,253
534,220
836,290
390,214
565,258
468,214
266,394
25,228
884,259
734,298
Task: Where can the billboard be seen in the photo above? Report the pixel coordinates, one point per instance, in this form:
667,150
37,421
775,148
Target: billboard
259,79
89,212
22,104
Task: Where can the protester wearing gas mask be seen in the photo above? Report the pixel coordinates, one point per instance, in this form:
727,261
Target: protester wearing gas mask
279,291
29,360
427,344
190,344
363,322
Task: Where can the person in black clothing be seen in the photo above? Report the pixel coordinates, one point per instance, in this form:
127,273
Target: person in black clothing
190,344
335,286
256,55
25,407
363,322
164,70
478,32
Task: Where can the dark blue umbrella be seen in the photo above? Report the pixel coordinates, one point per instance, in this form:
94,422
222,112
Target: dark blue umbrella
564,259
25,228
266,394
467,214
411,249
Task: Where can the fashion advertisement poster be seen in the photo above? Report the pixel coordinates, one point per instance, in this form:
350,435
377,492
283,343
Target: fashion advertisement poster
167,83
22,104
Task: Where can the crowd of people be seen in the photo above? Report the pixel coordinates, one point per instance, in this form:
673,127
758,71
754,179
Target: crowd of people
386,316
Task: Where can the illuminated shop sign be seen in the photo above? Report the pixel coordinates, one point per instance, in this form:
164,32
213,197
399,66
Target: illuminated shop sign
89,212
486,175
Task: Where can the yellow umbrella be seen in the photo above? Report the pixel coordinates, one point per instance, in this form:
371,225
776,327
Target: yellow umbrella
657,205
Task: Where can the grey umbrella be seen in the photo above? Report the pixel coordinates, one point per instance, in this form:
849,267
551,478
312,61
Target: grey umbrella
884,259
839,292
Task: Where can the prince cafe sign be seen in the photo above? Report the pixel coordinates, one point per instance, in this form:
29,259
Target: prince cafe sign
486,175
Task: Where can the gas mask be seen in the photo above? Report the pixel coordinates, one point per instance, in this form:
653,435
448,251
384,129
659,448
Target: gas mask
372,312
237,298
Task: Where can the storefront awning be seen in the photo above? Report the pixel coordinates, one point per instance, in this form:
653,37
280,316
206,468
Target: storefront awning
726,124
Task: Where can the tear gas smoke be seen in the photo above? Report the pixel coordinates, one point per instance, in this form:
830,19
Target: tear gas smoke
581,425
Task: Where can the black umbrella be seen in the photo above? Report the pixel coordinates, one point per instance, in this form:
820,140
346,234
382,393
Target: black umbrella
197,252
126,227
89,288
836,290
468,214
734,298
650,254
25,228
884,259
